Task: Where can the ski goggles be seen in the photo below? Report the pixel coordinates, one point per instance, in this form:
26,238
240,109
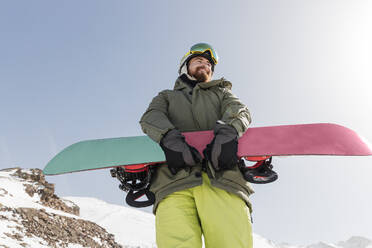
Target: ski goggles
201,48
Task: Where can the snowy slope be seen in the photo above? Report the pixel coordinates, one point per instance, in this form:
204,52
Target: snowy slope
31,215
130,226
134,227
28,218
12,195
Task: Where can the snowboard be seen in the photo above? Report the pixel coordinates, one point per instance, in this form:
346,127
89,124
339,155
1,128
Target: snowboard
284,140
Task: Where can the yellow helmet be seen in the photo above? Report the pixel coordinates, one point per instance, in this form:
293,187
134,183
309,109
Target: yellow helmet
200,49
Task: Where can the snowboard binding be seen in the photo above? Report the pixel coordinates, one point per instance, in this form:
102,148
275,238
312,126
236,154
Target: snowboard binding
261,172
135,179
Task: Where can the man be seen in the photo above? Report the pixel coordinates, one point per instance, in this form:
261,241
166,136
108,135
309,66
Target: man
196,196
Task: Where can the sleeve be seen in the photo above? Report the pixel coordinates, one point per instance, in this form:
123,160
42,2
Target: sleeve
234,112
155,122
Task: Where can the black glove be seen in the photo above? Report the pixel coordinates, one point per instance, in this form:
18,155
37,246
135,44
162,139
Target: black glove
178,153
222,151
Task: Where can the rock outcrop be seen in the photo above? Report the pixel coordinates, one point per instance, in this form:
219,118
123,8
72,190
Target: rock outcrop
37,217
35,183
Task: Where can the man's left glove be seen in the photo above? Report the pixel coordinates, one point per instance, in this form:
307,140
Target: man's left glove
222,151
177,152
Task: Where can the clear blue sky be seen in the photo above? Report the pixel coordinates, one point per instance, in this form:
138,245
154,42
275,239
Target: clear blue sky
77,70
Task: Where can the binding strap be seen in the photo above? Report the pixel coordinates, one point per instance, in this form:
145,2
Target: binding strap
132,197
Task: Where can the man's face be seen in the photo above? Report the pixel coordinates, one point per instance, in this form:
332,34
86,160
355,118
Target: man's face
200,68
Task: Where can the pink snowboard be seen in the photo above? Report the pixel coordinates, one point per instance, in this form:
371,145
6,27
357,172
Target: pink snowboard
305,139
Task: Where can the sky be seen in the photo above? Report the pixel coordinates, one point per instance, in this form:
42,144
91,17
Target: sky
79,70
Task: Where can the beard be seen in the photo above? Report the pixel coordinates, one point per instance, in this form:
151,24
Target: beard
201,75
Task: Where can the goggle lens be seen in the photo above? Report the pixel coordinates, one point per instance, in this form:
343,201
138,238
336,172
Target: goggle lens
202,48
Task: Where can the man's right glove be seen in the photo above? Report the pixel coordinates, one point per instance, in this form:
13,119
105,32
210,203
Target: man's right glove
177,152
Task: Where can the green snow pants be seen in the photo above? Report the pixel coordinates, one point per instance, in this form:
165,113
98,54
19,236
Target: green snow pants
221,217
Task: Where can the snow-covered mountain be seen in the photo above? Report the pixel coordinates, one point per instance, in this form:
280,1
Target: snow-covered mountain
31,215
130,226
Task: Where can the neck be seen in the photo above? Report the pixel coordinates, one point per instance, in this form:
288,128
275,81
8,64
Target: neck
188,81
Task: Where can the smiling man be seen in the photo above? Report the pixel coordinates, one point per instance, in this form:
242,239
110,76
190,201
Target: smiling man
200,68
197,196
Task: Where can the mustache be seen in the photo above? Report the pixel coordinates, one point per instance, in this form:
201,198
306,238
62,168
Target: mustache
202,67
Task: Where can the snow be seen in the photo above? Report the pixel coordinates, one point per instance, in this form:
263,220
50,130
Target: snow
130,226
356,242
11,227
136,228
261,242
13,195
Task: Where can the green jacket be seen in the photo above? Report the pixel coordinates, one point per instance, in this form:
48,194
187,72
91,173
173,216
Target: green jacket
195,109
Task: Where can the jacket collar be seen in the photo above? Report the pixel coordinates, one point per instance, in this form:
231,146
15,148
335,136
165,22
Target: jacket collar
222,82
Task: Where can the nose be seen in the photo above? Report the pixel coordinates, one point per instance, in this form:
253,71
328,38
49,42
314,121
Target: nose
206,63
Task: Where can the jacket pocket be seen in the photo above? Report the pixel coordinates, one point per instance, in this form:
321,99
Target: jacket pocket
162,178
